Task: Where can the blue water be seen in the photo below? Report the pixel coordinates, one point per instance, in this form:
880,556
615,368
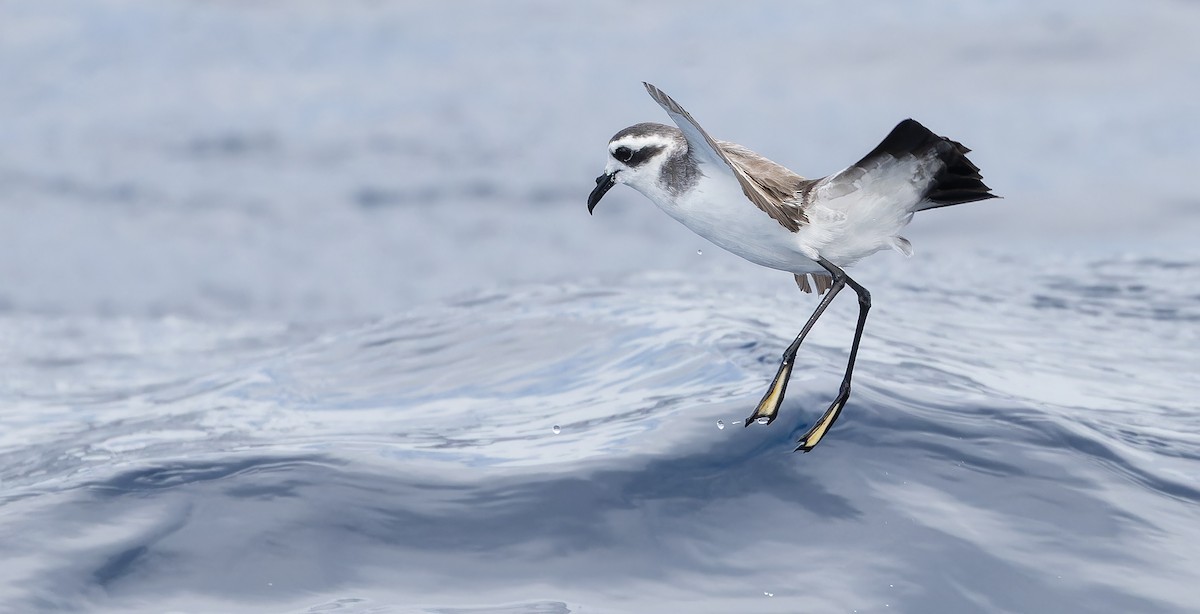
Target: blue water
301,311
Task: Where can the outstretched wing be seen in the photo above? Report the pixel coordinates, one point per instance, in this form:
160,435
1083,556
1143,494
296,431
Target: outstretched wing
771,187
912,168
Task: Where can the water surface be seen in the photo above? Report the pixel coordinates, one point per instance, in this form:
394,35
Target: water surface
301,311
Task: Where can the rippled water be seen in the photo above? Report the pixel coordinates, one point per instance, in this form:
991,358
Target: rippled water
1025,445
301,311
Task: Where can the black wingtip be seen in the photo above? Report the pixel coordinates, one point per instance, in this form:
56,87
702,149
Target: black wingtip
959,180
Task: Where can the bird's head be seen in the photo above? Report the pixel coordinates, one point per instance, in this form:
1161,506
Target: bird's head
636,157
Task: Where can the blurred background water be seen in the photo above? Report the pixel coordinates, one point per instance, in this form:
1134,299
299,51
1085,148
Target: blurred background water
301,311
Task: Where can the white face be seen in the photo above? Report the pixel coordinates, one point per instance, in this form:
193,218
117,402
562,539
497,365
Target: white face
637,161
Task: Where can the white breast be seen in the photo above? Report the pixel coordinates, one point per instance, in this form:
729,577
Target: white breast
716,209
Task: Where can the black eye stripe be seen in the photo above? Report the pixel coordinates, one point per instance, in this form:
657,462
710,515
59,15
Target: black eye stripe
635,157
643,154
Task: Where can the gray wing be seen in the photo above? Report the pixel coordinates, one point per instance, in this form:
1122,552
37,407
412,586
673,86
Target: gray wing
771,187
775,180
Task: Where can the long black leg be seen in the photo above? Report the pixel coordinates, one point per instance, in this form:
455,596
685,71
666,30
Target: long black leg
818,430
768,407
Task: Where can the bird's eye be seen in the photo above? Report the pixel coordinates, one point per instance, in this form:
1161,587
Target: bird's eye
624,154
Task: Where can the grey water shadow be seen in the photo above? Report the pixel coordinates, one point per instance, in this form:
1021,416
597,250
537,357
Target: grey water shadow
393,515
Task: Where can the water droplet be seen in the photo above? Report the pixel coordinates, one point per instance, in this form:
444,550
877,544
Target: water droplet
556,429
699,252
720,424
763,420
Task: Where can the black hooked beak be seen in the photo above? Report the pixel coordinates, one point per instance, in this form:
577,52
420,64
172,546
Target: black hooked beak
604,183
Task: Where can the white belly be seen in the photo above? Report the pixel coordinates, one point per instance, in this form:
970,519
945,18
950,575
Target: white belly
732,222
842,230
843,233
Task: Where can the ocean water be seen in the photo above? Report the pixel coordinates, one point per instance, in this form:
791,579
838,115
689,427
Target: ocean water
301,311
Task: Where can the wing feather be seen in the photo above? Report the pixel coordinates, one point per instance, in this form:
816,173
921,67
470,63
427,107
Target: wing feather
771,187
912,167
